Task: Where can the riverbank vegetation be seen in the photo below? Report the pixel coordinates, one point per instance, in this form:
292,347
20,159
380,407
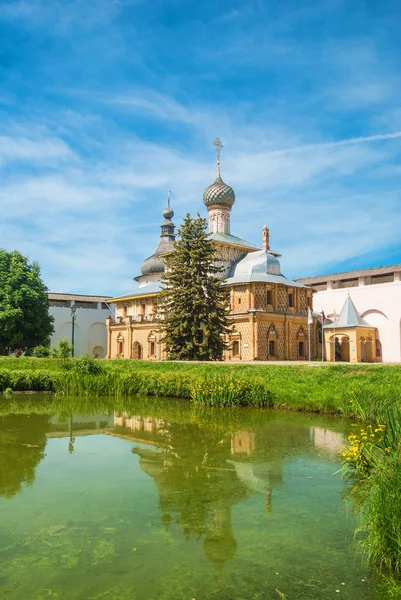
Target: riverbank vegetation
297,387
372,463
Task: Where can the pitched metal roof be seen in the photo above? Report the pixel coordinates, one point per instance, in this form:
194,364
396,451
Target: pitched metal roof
262,278
349,317
78,297
232,240
350,274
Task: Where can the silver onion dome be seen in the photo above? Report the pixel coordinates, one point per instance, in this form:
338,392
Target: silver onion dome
219,194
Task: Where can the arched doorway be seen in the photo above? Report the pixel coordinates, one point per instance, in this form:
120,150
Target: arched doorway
339,349
136,351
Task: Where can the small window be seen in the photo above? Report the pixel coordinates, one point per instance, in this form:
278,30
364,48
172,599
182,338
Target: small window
291,303
301,348
152,347
272,348
269,298
236,348
143,306
125,310
239,300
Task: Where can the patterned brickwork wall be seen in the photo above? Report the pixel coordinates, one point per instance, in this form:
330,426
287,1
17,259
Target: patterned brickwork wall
303,300
264,329
260,296
281,298
240,296
243,333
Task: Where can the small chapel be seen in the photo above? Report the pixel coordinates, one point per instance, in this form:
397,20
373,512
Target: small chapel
268,312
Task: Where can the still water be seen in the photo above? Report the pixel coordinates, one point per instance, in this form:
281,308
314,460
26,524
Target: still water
157,499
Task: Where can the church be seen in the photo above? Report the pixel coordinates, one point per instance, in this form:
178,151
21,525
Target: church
268,312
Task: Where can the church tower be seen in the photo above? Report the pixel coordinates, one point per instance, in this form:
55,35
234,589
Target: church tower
218,199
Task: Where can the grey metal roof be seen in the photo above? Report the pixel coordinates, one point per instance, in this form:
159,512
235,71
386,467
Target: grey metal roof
151,288
350,274
349,317
232,240
263,278
261,261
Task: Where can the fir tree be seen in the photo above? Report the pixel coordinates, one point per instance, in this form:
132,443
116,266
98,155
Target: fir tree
193,304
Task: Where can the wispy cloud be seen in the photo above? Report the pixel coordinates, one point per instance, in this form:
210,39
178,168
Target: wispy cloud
120,102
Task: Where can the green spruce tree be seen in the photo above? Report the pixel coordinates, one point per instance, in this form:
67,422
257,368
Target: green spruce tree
24,304
193,311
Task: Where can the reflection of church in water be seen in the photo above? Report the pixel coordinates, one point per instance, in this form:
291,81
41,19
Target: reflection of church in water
200,474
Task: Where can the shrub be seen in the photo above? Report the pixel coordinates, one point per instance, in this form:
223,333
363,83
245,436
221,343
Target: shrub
87,365
41,352
63,349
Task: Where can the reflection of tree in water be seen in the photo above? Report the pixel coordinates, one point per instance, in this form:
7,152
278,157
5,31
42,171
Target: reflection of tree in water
22,445
197,487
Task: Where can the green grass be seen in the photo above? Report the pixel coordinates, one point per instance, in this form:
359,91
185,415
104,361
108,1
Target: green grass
315,388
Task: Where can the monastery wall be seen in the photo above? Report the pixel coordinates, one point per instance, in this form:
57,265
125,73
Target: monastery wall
379,305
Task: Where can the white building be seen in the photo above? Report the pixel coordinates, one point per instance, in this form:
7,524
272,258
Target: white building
90,334
376,294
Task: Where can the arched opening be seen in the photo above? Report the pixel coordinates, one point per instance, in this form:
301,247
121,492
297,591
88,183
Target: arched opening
339,349
98,352
379,354
366,349
136,351
271,343
344,350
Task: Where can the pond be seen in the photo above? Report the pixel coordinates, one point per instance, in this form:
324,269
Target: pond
146,499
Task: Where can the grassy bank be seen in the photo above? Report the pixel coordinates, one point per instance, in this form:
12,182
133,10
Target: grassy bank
323,389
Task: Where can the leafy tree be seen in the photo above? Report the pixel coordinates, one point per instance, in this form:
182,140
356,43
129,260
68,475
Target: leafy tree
24,304
193,312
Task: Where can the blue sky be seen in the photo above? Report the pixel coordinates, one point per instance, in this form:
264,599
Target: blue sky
107,104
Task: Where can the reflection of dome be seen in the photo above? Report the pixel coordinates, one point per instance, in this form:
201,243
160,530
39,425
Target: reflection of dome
219,194
257,262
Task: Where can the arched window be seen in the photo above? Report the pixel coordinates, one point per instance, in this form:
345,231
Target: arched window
271,342
136,351
120,345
